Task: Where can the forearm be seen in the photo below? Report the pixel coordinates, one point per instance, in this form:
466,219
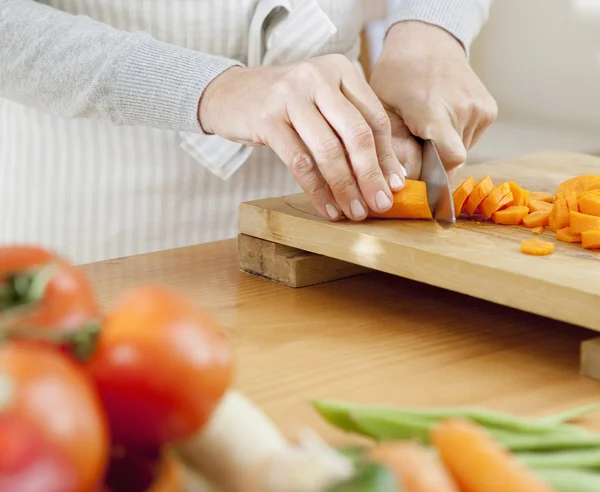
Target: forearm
461,18
73,66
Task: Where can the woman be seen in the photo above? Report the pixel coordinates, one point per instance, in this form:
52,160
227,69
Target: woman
129,126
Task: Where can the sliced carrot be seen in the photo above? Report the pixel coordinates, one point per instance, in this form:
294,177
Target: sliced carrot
479,463
409,203
461,193
415,469
538,206
542,196
520,195
578,184
590,239
495,199
589,203
536,247
479,193
583,222
538,230
511,215
536,219
571,198
561,213
568,236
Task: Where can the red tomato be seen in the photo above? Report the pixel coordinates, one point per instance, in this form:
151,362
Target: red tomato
66,303
53,432
160,366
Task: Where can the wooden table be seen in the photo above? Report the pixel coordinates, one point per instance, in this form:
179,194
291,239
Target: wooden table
372,339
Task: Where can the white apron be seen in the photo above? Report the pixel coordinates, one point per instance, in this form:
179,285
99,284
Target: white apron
95,191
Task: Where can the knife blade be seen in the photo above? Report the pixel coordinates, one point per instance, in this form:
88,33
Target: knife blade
439,194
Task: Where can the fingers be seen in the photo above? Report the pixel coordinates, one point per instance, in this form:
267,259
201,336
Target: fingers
290,148
359,93
406,148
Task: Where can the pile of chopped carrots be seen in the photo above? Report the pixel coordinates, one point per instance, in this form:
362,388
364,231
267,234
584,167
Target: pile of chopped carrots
572,213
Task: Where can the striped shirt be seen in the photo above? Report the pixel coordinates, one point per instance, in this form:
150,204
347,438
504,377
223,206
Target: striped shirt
101,153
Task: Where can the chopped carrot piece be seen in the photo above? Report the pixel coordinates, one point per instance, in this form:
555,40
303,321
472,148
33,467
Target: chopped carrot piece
536,247
538,206
578,184
589,203
520,195
541,196
536,219
511,215
415,469
479,193
461,194
409,203
568,236
494,200
590,239
571,198
479,463
538,230
561,213
583,222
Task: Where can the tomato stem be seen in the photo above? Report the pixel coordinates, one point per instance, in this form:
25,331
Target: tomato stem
22,289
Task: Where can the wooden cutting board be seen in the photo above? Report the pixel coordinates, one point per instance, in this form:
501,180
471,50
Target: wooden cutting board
478,259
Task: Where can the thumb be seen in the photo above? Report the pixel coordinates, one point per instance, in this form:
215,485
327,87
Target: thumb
449,145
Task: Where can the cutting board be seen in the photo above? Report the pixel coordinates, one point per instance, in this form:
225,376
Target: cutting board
482,260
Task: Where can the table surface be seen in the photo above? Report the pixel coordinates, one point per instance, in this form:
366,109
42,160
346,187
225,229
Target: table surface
374,338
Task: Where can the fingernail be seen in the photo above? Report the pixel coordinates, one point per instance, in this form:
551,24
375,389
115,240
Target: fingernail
357,208
404,170
332,211
396,181
383,201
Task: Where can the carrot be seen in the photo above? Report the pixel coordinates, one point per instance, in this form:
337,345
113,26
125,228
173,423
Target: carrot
415,469
538,230
479,463
578,184
536,247
568,236
589,203
542,196
409,203
520,195
511,215
536,219
500,196
571,198
590,239
539,206
479,193
461,193
583,222
561,213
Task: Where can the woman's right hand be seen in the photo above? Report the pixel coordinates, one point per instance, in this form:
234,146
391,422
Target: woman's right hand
322,119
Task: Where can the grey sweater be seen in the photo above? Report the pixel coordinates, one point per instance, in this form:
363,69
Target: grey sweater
73,66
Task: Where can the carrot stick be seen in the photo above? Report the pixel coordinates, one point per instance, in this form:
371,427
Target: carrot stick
537,219
479,193
415,469
461,194
409,203
538,230
568,236
561,212
590,239
589,203
583,222
536,247
571,198
510,216
500,196
542,196
478,463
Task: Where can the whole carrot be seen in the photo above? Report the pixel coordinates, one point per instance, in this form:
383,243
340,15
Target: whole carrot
479,463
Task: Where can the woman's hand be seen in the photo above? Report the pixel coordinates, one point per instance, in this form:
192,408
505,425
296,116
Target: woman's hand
429,90
322,119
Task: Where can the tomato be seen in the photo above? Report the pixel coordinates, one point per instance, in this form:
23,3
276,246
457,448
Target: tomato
53,432
161,366
39,290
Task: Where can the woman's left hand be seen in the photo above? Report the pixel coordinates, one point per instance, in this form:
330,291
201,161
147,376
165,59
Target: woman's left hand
424,81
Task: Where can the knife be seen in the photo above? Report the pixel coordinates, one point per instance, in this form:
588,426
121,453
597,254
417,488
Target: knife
439,194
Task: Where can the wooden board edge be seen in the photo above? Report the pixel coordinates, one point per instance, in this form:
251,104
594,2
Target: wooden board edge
290,266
